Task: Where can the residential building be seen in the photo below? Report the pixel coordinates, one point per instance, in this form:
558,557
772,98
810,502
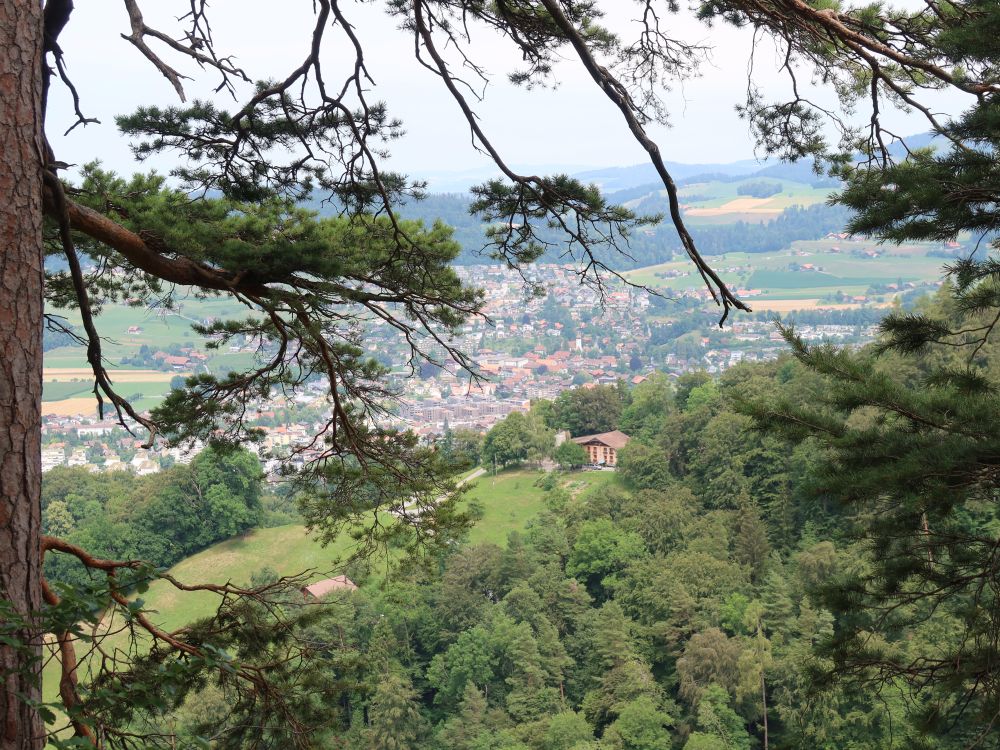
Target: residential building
602,448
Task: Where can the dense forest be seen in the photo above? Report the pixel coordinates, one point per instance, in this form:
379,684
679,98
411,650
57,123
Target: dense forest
759,189
794,223
160,518
774,565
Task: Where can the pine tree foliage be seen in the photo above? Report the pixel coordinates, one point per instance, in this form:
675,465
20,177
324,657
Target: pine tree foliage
231,223
915,462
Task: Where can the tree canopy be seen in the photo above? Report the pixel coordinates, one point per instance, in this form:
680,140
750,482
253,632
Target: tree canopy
230,221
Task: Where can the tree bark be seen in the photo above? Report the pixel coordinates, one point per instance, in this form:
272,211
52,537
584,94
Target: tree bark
21,322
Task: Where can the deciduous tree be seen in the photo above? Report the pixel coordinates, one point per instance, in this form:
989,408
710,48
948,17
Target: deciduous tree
570,455
230,224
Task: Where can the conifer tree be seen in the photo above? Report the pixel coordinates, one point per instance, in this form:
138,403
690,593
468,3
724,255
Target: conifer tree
471,721
750,543
640,725
231,224
915,464
776,596
719,727
394,716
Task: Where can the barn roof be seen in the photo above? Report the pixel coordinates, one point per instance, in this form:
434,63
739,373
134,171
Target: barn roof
324,587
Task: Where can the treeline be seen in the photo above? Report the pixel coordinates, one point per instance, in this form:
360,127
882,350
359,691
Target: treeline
858,316
645,248
160,518
759,188
54,338
794,223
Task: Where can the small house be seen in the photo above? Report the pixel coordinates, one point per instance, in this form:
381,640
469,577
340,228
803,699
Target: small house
327,586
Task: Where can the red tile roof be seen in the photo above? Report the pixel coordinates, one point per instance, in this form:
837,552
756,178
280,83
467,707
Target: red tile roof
322,588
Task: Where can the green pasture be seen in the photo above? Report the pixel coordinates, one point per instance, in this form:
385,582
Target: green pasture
810,292
801,280
508,500
288,550
57,391
730,218
160,329
715,194
772,271
511,499
143,395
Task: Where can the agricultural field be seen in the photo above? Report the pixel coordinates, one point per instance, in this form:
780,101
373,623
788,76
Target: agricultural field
718,202
68,382
158,329
804,273
54,390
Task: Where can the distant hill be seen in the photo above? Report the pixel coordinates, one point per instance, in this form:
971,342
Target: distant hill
638,185
652,246
629,183
622,178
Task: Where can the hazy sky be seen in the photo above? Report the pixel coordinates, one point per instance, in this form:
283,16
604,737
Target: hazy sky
574,125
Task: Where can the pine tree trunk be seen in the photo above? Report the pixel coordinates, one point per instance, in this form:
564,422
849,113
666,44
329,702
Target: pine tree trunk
763,696
20,358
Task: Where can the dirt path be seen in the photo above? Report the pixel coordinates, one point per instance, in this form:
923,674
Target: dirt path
474,475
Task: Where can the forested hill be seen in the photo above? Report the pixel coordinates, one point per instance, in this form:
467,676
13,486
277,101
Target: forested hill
637,186
649,247
695,600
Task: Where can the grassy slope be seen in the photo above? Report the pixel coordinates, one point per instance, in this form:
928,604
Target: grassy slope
286,549
509,502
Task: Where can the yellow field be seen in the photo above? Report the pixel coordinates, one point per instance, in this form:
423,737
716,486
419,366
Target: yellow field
738,206
68,374
787,305
71,407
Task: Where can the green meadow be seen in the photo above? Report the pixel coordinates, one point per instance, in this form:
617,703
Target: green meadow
836,268
511,499
508,501
715,193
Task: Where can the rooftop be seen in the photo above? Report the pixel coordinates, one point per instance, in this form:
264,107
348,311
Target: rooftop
324,587
615,439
